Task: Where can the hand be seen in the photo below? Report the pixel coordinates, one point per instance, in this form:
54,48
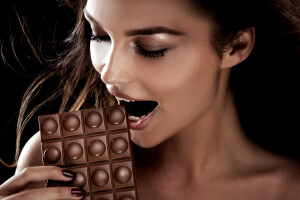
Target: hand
14,187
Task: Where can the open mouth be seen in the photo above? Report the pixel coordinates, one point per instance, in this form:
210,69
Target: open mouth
137,110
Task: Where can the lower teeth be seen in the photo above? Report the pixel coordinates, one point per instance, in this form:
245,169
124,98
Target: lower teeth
134,118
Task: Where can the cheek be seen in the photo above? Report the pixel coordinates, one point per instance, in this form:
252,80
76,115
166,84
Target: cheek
99,52
186,73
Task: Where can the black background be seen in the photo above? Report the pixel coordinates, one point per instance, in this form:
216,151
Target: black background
47,21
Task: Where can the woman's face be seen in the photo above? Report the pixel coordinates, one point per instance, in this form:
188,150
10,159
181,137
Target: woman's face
155,50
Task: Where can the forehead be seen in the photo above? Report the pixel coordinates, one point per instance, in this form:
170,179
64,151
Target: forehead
140,13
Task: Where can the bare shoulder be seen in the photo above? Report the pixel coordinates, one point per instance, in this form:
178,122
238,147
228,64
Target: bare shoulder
31,154
289,185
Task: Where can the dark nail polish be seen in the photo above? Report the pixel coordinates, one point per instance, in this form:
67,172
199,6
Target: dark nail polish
68,173
77,192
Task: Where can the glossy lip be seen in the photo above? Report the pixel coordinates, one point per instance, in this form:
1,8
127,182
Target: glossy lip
143,123
135,125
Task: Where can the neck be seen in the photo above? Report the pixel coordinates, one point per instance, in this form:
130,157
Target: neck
209,147
207,143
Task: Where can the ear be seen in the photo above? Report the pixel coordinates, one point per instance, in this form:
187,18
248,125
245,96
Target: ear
240,49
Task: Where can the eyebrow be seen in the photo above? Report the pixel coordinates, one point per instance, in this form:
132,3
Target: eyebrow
142,31
152,30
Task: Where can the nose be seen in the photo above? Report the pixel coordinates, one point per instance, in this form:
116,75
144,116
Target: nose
116,69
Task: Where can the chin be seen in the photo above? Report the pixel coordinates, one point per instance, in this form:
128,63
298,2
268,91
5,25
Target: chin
143,141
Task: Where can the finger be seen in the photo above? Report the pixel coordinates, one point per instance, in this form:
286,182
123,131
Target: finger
35,174
51,193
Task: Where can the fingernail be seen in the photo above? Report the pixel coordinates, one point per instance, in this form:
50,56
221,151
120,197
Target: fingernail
68,173
77,192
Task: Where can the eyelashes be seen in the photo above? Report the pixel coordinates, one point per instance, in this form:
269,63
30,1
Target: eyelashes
137,47
149,54
99,38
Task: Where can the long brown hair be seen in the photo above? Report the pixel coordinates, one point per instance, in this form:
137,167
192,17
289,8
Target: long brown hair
277,20
79,85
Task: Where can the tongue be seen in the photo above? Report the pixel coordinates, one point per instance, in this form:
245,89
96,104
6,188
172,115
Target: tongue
139,108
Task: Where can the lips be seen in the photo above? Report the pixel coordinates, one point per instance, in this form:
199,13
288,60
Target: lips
140,112
143,122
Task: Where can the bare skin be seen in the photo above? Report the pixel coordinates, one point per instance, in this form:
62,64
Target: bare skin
238,170
22,185
253,173
196,153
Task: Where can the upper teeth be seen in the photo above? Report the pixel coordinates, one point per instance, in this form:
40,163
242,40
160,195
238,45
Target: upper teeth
121,99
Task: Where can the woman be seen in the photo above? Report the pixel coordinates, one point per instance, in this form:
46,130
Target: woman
184,66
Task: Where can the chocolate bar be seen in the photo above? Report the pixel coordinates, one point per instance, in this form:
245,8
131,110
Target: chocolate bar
95,144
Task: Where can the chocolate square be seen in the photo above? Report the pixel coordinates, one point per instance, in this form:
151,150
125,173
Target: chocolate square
93,120
74,151
122,174
82,178
49,126
71,123
118,145
100,177
96,148
115,118
53,153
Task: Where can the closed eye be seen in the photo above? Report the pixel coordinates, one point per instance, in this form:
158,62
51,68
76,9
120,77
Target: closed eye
138,49
104,38
149,54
